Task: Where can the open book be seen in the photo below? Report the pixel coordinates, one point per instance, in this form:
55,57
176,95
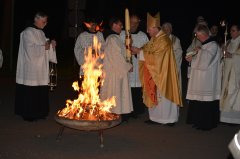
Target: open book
191,53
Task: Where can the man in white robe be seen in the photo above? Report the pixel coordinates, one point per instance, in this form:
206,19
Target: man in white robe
84,41
139,38
32,74
230,96
195,42
116,82
204,82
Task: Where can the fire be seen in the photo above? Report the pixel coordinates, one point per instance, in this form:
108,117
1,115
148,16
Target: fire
88,105
98,27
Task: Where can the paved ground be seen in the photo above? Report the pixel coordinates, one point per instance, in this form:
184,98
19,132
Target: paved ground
132,140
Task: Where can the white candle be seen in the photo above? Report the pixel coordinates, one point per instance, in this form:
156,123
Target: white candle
127,20
128,35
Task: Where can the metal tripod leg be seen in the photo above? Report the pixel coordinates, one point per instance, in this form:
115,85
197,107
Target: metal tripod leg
60,132
101,138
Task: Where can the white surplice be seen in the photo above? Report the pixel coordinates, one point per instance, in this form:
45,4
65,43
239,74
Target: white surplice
195,43
138,40
205,77
116,70
85,40
177,49
33,59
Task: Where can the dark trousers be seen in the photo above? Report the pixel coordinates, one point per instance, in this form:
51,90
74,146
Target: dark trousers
138,105
203,114
32,102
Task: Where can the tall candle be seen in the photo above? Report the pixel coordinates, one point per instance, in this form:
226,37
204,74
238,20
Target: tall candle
128,36
127,20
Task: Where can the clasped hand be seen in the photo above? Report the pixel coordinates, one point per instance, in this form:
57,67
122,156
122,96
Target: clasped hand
48,43
135,50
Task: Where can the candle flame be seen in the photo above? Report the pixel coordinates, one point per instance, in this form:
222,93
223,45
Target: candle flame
223,23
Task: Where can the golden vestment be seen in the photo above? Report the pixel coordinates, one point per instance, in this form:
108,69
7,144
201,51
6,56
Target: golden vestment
159,71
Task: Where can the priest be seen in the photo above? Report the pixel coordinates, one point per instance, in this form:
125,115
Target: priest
35,53
85,40
204,86
159,76
139,38
116,70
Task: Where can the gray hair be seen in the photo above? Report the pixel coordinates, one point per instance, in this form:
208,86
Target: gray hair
203,29
39,15
167,24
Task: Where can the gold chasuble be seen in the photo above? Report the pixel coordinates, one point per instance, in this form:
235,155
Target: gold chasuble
159,71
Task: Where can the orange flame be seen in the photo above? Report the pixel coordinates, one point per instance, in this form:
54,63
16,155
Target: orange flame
88,25
88,106
98,27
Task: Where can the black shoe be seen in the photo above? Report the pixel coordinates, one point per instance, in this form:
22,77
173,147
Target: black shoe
206,129
150,122
195,127
29,119
125,118
134,115
170,124
202,128
43,118
229,124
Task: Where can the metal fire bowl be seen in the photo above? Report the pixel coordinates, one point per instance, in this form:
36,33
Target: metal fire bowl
87,125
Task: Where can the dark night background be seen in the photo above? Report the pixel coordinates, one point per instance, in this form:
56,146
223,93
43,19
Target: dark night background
20,140
15,15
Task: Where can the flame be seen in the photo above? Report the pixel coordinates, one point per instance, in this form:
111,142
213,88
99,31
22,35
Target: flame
223,23
88,105
88,25
98,27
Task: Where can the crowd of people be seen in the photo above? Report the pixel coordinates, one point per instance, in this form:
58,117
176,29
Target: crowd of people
152,81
